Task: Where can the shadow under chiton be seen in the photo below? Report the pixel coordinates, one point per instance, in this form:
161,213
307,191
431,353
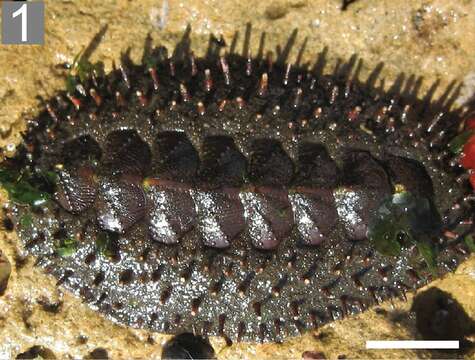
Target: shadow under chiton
238,196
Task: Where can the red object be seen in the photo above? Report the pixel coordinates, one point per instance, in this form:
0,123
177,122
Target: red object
472,180
468,158
470,123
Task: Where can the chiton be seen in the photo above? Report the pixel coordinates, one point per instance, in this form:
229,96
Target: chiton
238,196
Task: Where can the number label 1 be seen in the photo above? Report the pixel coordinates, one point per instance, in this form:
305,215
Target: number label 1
23,22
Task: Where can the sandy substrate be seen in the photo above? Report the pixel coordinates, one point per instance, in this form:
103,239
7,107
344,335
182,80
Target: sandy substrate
434,40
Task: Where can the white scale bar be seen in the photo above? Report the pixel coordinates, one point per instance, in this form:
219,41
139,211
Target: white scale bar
412,344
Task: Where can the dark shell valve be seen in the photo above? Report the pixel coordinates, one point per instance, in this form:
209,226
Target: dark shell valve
266,213
239,196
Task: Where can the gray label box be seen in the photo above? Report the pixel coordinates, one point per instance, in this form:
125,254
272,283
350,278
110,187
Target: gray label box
23,22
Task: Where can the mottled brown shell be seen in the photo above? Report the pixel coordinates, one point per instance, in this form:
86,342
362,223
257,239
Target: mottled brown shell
231,195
